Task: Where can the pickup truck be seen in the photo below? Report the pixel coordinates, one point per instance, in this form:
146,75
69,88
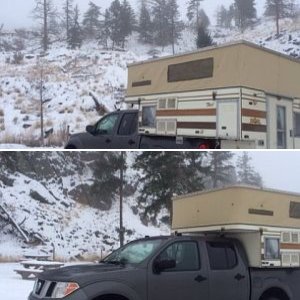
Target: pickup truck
171,268
119,130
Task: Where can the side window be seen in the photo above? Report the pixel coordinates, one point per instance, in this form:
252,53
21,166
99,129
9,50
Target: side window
128,124
272,248
297,124
106,126
149,116
222,256
185,254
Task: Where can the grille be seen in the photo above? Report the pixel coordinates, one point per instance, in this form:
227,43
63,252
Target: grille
43,288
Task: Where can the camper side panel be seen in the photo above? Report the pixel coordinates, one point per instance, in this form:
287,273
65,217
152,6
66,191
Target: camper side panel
254,117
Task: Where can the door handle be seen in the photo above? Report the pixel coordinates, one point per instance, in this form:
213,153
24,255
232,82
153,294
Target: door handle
239,277
200,278
131,142
108,141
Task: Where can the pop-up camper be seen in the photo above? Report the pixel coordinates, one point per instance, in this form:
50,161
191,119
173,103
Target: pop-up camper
235,92
267,222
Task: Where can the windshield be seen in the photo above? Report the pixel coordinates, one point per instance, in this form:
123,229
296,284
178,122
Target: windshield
133,253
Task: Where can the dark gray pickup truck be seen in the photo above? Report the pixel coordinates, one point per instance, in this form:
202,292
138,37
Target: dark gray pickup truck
171,268
119,130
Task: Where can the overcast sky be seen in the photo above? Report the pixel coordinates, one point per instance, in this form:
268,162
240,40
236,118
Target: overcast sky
16,13
280,170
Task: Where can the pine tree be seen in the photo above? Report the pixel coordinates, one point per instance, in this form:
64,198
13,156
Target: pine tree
43,11
160,11
246,173
245,13
221,16
75,32
127,22
91,21
107,174
113,22
174,22
145,26
222,171
225,16
204,19
167,25
165,174
204,38
193,12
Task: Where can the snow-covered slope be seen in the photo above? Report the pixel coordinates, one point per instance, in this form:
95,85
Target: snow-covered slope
45,206
72,76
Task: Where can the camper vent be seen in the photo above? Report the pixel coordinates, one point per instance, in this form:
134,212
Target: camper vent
290,259
295,238
168,127
164,103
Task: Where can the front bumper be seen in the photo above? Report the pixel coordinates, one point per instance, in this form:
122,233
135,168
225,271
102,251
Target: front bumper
77,295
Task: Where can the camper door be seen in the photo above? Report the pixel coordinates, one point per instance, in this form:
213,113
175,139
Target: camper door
228,116
280,123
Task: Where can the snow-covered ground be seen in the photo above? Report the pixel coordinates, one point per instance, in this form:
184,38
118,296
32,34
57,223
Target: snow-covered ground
71,76
59,210
12,287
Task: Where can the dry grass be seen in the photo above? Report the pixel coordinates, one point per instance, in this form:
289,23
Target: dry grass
59,138
9,259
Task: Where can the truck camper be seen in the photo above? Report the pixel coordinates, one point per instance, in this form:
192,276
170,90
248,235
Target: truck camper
266,222
241,94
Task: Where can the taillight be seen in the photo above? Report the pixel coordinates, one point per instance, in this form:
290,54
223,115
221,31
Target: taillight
204,146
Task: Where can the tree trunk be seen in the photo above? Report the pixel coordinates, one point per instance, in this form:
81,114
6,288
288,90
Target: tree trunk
45,40
277,18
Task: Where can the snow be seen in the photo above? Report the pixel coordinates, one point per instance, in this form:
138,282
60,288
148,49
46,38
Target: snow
73,74
12,287
76,230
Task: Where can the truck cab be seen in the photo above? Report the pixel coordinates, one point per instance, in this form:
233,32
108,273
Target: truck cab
175,267
116,130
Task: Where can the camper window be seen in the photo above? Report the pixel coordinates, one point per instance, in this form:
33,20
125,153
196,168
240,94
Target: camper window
197,69
272,249
297,124
149,116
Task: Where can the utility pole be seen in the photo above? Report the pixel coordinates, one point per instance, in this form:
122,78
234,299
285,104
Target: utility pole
121,200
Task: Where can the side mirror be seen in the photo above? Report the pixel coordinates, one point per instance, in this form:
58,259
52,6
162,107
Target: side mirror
160,266
90,129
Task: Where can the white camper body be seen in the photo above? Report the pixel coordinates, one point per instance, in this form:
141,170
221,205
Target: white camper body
244,95
266,222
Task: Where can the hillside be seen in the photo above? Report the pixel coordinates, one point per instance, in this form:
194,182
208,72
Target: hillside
48,195
80,85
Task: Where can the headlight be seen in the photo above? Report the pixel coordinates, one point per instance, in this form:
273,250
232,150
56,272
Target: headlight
63,289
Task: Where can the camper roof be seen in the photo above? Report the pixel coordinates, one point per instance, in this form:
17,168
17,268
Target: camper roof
236,186
225,45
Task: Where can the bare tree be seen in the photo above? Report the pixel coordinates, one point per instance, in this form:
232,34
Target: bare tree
68,16
40,76
43,11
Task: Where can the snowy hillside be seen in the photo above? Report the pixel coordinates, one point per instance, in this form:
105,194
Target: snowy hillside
72,77
45,207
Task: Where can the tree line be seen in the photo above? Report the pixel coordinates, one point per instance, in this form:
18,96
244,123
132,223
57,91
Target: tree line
157,22
243,14
162,175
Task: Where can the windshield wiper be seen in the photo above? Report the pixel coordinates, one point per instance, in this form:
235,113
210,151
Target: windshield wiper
121,262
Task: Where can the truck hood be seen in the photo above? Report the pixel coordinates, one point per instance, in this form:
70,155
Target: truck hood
82,274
